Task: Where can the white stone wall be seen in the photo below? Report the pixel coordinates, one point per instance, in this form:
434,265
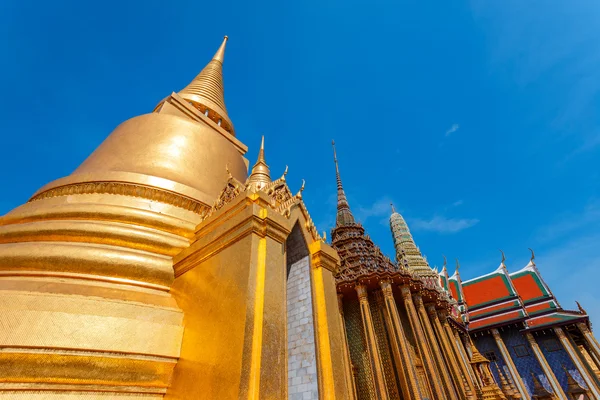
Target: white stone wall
302,363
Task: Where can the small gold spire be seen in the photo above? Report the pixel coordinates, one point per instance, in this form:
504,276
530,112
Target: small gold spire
206,92
393,209
532,257
260,175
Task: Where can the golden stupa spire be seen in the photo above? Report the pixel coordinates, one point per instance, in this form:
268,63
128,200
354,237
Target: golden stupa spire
344,215
260,175
206,92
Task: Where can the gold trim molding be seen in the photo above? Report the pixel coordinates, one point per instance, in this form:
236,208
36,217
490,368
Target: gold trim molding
127,189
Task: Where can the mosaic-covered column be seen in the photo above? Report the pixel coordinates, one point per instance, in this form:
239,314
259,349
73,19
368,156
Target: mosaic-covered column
374,357
433,345
591,342
405,365
539,355
451,361
461,362
350,380
466,358
510,364
573,354
417,329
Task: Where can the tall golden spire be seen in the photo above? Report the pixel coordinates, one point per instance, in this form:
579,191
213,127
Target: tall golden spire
344,215
206,93
260,175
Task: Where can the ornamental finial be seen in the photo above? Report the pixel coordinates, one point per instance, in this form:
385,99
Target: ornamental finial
445,261
457,265
532,257
393,209
206,93
503,257
581,309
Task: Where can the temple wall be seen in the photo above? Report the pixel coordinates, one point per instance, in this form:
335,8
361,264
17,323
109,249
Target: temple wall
557,357
302,363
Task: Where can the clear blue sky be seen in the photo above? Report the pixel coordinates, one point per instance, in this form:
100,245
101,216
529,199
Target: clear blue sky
478,119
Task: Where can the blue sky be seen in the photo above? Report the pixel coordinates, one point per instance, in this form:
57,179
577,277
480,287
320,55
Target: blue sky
478,119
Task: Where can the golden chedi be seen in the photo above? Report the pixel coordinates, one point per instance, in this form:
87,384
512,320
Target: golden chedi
158,270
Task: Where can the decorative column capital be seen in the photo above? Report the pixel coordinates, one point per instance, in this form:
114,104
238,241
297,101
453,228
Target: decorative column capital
431,310
418,300
495,332
442,315
583,327
559,332
361,290
386,287
530,339
405,291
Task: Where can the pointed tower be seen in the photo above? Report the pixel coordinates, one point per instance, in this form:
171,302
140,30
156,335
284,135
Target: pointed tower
206,92
260,175
407,251
344,215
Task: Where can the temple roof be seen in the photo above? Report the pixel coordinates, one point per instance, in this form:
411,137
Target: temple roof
502,298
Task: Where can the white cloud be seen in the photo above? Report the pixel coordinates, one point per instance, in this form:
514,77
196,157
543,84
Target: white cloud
457,203
380,208
442,224
452,129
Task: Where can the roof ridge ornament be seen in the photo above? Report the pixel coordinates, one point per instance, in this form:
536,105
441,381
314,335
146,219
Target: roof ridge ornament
503,257
532,257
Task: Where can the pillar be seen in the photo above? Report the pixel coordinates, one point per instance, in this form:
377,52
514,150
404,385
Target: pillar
573,354
404,365
539,355
437,354
510,364
424,350
449,355
462,363
591,342
371,340
466,357
350,378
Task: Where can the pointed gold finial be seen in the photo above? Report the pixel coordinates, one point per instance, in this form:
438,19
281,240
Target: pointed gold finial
344,215
260,174
445,261
532,257
206,92
220,54
286,171
301,189
457,265
393,209
503,258
581,309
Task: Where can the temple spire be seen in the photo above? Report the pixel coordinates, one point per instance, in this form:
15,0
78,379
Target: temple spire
407,252
260,175
206,92
344,215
